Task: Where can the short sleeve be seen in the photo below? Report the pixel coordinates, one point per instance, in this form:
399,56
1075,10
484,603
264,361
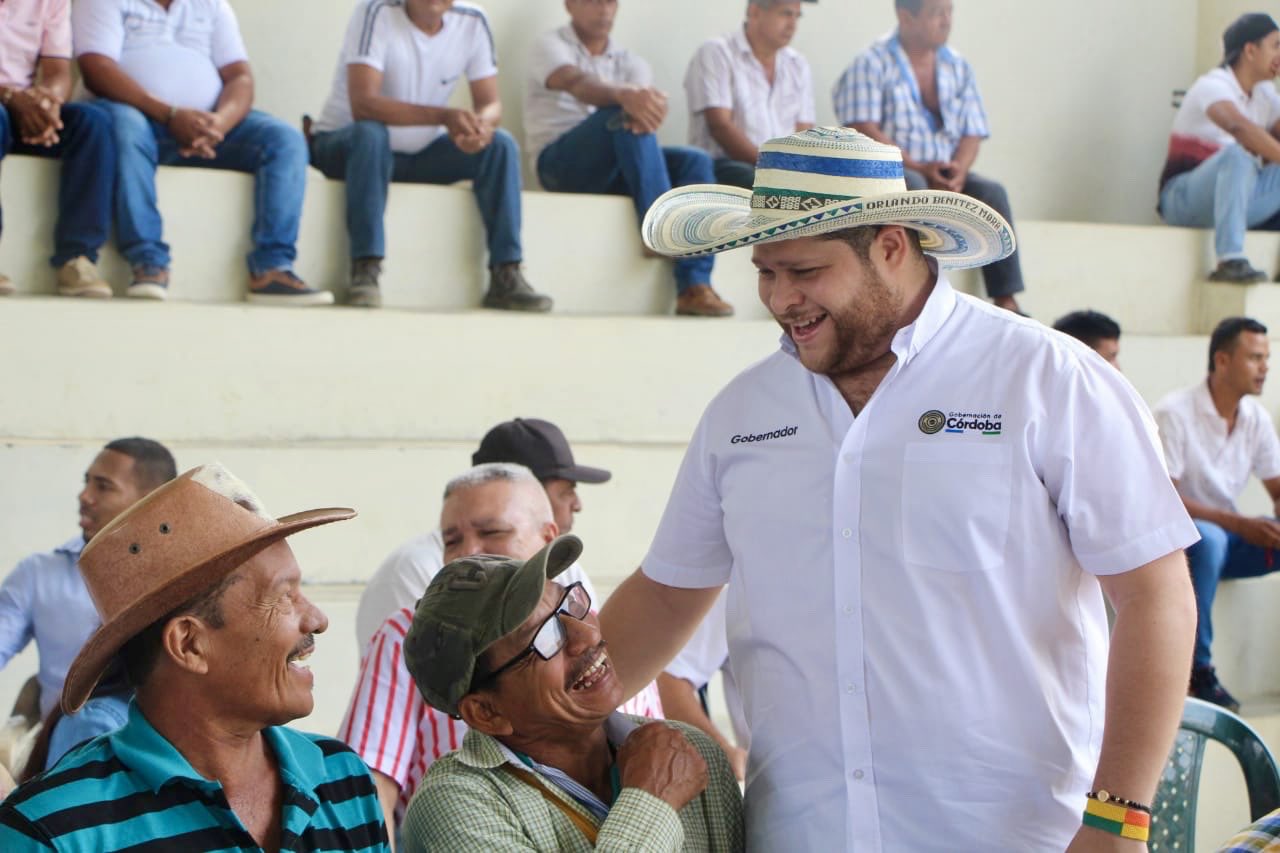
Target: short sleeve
483,60
549,54
708,82
227,45
1266,452
690,548
381,723
55,42
973,113
1109,484
98,27
858,92
1172,440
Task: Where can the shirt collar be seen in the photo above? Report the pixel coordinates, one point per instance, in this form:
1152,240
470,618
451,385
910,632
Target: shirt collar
738,40
485,752
895,44
569,34
72,546
1202,403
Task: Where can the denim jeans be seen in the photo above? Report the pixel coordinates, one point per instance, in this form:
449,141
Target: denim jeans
88,179
1217,556
361,155
1004,277
1229,193
601,156
273,151
735,173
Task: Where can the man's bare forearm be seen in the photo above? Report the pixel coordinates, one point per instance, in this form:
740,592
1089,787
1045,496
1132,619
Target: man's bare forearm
235,100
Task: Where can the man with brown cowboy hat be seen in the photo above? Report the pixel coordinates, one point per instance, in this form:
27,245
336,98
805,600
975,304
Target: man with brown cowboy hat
548,763
200,597
917,505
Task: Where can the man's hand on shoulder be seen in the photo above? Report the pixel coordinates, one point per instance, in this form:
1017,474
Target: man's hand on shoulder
659,759
646,108
1261,531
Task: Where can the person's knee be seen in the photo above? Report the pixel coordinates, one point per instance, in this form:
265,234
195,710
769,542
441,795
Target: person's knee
504,143
1210,552
991,192
370,136
130,127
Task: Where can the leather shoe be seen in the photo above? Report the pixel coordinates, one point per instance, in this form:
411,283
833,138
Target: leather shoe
700,300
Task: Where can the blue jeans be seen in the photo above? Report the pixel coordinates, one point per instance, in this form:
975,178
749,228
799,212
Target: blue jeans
601,156
361,155
88,180
1004,277
1229,193
273,151
1217,556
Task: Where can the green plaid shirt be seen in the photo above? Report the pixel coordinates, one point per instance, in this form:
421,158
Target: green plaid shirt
466,803
1262,834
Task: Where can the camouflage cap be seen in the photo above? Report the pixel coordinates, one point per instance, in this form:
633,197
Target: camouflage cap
471,604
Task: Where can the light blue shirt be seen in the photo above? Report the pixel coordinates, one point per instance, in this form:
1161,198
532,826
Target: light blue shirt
100,715
44,598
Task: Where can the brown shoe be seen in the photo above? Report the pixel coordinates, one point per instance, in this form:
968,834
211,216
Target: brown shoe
283,287
700,300
79,277
6,285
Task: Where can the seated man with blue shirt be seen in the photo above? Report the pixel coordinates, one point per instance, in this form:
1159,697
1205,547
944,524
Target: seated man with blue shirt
912,91
44,597
548,763
201,598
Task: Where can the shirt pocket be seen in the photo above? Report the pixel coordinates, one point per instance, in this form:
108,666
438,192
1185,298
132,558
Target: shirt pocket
956,504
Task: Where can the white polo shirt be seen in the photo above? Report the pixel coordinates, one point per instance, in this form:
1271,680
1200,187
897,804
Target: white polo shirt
725,73
707,653
175,55
1211,465
549,114
913,617
416,68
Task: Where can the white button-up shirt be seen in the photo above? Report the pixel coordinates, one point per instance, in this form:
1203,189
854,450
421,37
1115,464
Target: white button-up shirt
1211,465
725,73
913,617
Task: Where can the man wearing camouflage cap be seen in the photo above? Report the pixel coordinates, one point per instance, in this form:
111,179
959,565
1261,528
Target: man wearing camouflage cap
500,644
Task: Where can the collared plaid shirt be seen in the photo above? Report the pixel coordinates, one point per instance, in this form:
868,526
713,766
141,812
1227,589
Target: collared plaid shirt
466,803
1261,835
880,87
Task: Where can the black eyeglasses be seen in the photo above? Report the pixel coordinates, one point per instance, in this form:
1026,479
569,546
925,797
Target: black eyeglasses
550,637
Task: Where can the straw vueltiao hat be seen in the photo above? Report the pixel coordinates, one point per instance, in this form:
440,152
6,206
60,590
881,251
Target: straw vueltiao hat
176,542
820,180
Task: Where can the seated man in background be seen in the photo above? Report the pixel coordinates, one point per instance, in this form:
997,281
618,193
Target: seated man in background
519,657
591,116
1096,330
44,597
1261,835
177,83
910,89
533,443
35,119
1215,434
388,119
749,87
1221,171
201,598
683,687
495,508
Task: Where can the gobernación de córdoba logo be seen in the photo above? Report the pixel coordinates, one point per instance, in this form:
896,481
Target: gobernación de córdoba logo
985,423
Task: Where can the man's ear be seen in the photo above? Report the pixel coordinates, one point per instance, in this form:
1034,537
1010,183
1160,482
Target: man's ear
893,245
481,711
550,530
185,641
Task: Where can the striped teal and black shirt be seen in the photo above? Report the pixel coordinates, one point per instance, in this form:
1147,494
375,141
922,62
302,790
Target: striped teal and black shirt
132,790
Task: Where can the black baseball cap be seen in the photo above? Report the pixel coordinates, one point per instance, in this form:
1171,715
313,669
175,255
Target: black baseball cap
1245,30
538,445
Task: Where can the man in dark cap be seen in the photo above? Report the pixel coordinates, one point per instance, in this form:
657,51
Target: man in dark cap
519,657
1221,171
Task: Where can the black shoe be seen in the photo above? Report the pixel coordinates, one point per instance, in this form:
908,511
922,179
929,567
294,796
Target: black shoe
509,291
364,292
1237,271
1205,685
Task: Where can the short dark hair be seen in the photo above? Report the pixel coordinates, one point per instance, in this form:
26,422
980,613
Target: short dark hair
1088,326
1226,334
912,6
141,651
153,464
860,237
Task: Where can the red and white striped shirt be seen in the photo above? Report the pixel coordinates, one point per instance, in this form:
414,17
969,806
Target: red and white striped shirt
396,732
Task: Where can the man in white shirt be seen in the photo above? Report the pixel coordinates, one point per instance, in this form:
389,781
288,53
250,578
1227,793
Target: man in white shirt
590,116
44,597
917,517
1223,167
1095,330
176,80
388,119
748,87
1215,435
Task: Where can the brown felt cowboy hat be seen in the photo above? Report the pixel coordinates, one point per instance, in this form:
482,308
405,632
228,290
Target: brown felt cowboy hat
173,544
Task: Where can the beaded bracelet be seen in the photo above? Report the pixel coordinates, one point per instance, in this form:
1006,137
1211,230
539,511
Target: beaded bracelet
1108,797
1116,819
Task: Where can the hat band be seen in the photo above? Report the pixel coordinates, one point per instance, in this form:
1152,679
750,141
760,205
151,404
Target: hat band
836,167
768,198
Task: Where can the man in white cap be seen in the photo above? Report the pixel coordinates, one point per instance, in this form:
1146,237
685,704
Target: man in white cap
917,514
201,600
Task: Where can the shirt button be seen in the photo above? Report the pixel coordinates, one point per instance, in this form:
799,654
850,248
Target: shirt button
857,774
846,533
848,610
850,688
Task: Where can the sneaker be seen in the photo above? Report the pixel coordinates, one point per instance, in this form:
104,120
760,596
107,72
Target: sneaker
1205,685
700,300
1237,271
364,292
283,287
6,285
509,291
149,282
79,277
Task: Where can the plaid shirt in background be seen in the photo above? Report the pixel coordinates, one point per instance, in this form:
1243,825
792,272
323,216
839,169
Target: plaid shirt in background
1261,835
880,87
